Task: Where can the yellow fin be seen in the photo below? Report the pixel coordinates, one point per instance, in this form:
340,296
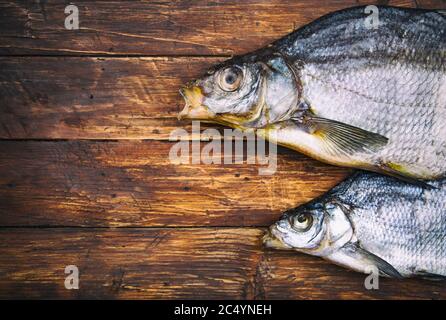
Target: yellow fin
341,139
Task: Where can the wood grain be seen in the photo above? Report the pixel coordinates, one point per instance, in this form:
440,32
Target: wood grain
94,98
136,225
157,28
431,4
133,183
198,263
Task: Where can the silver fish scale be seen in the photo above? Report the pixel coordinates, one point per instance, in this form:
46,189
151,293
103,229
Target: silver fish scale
380,97
390,80
401,223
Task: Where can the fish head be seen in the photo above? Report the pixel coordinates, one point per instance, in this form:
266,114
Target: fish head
244,92
318,228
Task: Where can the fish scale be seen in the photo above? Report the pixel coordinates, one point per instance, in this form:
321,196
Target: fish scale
394,99
379,114
341,92
372,220
401,223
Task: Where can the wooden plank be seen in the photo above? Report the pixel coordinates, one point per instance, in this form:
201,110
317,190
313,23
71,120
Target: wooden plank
431,4
198,263
133,183
126,98
94,98
158,28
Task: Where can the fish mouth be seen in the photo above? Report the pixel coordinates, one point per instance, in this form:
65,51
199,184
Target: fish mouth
272,241
194,108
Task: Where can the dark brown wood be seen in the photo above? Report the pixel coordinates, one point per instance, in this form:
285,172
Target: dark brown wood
94,98
185,231
158,28
133,183
206,263
431,4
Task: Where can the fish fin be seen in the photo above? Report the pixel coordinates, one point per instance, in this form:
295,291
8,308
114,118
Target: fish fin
430,276
351,255
397,171
343,139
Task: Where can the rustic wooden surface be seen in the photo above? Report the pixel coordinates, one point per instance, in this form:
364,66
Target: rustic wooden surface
177,263
133,183
199,27
117,98
85,179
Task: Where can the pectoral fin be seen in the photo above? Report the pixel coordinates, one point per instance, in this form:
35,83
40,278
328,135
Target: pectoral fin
352,256
341,139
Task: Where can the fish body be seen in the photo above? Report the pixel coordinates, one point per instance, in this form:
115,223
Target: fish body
371,221
341,92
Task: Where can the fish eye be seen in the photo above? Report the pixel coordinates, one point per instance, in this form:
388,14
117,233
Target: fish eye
230,79
301,222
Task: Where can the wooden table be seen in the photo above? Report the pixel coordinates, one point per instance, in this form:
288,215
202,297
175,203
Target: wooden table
85,178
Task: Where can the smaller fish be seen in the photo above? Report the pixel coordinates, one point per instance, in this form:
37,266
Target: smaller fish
371,222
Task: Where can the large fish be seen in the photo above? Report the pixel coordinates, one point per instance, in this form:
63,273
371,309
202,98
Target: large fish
371,221
344,89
